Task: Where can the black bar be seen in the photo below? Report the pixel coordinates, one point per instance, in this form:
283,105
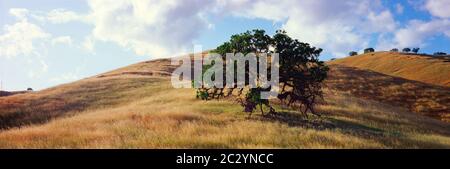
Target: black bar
280,158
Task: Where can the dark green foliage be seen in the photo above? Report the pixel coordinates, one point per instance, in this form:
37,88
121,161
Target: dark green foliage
406,50
253,99
352,53
201,94
439,53
415,50
369,50
394,50
301,73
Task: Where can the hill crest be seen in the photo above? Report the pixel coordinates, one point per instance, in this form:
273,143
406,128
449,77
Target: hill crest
423,68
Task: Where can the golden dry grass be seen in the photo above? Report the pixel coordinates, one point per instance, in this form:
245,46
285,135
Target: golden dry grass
155,115
141,110
422,98
409,66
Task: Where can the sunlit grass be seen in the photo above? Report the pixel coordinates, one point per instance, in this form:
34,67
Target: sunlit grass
149,113
414,67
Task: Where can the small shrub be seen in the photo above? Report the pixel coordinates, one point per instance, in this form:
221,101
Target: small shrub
394,50
439,53
369,50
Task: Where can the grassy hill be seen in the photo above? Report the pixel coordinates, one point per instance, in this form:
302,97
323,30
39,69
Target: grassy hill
423,68
422,98
136,107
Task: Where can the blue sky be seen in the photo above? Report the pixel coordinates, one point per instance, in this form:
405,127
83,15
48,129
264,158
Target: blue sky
49,42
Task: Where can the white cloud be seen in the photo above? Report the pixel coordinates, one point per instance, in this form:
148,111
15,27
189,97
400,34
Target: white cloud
88,44
28,39
55,16
415,34
62,16
439,8
155,28
20,13
337,26
382,22
67,40
20,38
418,31
160,28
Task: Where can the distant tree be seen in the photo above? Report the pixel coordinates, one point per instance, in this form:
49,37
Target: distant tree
439,53
352,53
369,50
406,50
333,59
29,89
394,50
415,50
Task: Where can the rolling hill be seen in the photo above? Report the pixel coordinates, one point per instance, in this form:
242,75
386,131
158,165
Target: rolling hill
422,98
423,68
136,107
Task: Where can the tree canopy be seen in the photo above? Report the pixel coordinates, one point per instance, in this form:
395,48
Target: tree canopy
369,50
352,53
301,73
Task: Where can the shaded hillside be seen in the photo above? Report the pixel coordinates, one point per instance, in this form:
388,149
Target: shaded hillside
423,68
423,98
6,93
105,90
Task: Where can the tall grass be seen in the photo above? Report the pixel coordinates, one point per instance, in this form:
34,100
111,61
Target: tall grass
154,115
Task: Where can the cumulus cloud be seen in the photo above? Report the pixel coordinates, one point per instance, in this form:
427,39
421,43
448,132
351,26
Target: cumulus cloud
382,22
20,13
337,26
160,28
151,28
415,34
418,31
438,8
20,38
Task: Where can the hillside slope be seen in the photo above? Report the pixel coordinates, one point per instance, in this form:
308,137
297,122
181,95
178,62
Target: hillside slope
421,68
136,107
425,99
7,93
